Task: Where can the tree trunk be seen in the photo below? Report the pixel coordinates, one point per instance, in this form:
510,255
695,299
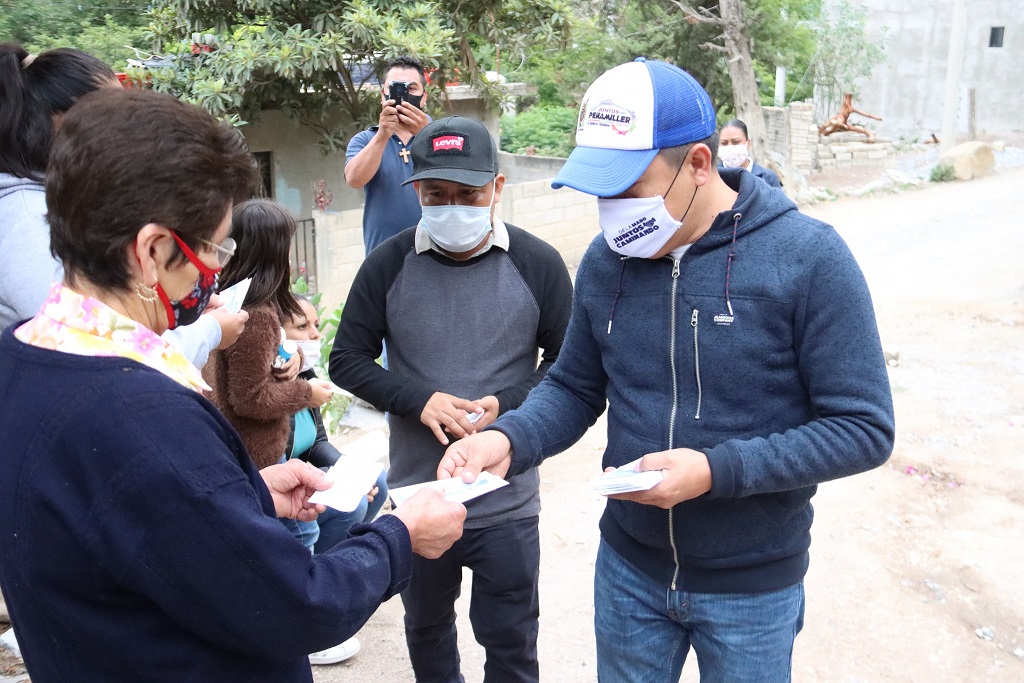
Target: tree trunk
741,69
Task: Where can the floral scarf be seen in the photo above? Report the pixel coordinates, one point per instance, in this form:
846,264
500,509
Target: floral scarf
72,323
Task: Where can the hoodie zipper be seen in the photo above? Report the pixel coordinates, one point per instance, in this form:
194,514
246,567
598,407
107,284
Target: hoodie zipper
696,363
675,408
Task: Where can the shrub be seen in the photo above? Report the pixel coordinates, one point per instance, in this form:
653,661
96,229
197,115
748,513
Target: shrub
942,173
544,130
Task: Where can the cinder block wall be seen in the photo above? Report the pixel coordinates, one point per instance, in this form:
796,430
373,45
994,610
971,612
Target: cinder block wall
846,150
803,137
564,218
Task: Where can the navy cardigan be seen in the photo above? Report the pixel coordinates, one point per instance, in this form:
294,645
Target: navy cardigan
138,541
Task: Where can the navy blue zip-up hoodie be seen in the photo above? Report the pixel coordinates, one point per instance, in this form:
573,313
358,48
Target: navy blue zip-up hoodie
759,347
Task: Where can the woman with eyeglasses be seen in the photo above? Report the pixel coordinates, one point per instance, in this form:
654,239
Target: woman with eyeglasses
36,91
138,542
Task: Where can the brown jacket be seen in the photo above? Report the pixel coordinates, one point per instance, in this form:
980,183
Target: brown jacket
256,403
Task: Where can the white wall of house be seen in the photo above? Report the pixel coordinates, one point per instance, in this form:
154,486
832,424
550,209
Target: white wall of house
907,91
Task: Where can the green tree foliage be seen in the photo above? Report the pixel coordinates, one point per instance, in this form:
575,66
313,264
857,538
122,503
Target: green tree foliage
100,27
846,53
548,130
315,59
781,35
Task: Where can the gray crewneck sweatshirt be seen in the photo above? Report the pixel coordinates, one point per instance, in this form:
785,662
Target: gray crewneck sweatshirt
26,266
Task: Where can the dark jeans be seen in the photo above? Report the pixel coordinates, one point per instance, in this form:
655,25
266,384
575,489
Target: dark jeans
504,608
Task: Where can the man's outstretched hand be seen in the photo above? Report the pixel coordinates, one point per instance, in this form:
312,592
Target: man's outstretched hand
490,450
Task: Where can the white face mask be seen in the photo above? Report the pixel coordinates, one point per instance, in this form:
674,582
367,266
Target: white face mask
310,353
636,227
456,228
733,156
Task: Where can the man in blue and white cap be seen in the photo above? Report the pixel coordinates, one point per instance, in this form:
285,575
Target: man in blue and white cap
735,343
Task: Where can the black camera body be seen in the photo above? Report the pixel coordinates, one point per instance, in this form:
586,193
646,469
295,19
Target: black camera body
398,91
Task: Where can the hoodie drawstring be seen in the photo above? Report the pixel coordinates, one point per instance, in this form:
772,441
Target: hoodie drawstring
732,254
618,292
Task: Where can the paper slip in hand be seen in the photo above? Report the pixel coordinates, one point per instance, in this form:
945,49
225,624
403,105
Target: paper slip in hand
329,385
234,296
454,490
626,479
473,417
353,478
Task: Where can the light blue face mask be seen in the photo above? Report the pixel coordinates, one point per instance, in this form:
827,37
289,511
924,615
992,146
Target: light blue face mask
456,228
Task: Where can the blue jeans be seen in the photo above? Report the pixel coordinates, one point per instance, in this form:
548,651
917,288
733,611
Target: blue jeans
305,532
335,525
645,629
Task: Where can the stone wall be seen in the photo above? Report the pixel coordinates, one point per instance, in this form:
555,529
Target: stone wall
847,150
564,218
520,168
792,138
803,137
794,144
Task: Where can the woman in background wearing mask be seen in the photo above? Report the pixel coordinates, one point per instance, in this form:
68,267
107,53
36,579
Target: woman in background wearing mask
137,540
734,152
309,441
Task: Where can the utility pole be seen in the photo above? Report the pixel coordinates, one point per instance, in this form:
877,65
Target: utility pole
780,86
954,63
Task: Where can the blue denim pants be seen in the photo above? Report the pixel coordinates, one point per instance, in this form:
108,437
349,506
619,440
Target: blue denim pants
645,629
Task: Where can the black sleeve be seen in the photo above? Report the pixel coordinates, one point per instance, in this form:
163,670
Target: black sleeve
545,274
359,340
321,453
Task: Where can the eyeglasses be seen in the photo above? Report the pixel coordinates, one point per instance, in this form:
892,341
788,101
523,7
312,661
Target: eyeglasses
225,250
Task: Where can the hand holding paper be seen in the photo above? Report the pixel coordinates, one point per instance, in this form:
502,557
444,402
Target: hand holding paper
352,478
453,490
684,474
626,479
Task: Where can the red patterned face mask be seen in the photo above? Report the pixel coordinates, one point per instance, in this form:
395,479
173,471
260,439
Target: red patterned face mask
187,310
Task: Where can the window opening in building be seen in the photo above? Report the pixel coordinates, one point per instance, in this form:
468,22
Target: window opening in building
265,162
995,36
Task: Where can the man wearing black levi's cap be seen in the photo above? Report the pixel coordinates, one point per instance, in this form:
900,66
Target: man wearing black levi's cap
463,302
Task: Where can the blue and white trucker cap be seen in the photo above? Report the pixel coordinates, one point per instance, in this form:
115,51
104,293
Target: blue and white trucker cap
627,115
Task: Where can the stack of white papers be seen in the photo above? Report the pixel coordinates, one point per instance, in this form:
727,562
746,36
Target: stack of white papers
353,478
454,490
626,479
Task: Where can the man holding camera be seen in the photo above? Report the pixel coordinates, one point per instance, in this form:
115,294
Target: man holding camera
378,159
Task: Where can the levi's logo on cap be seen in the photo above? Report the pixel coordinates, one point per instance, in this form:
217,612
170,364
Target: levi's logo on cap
453,143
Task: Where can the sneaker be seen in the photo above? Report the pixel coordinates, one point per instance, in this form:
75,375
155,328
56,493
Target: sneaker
338,653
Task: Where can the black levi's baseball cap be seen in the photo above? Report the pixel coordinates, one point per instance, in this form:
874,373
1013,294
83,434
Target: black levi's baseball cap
454,148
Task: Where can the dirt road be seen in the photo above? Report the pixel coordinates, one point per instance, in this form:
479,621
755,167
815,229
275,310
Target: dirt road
916,570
